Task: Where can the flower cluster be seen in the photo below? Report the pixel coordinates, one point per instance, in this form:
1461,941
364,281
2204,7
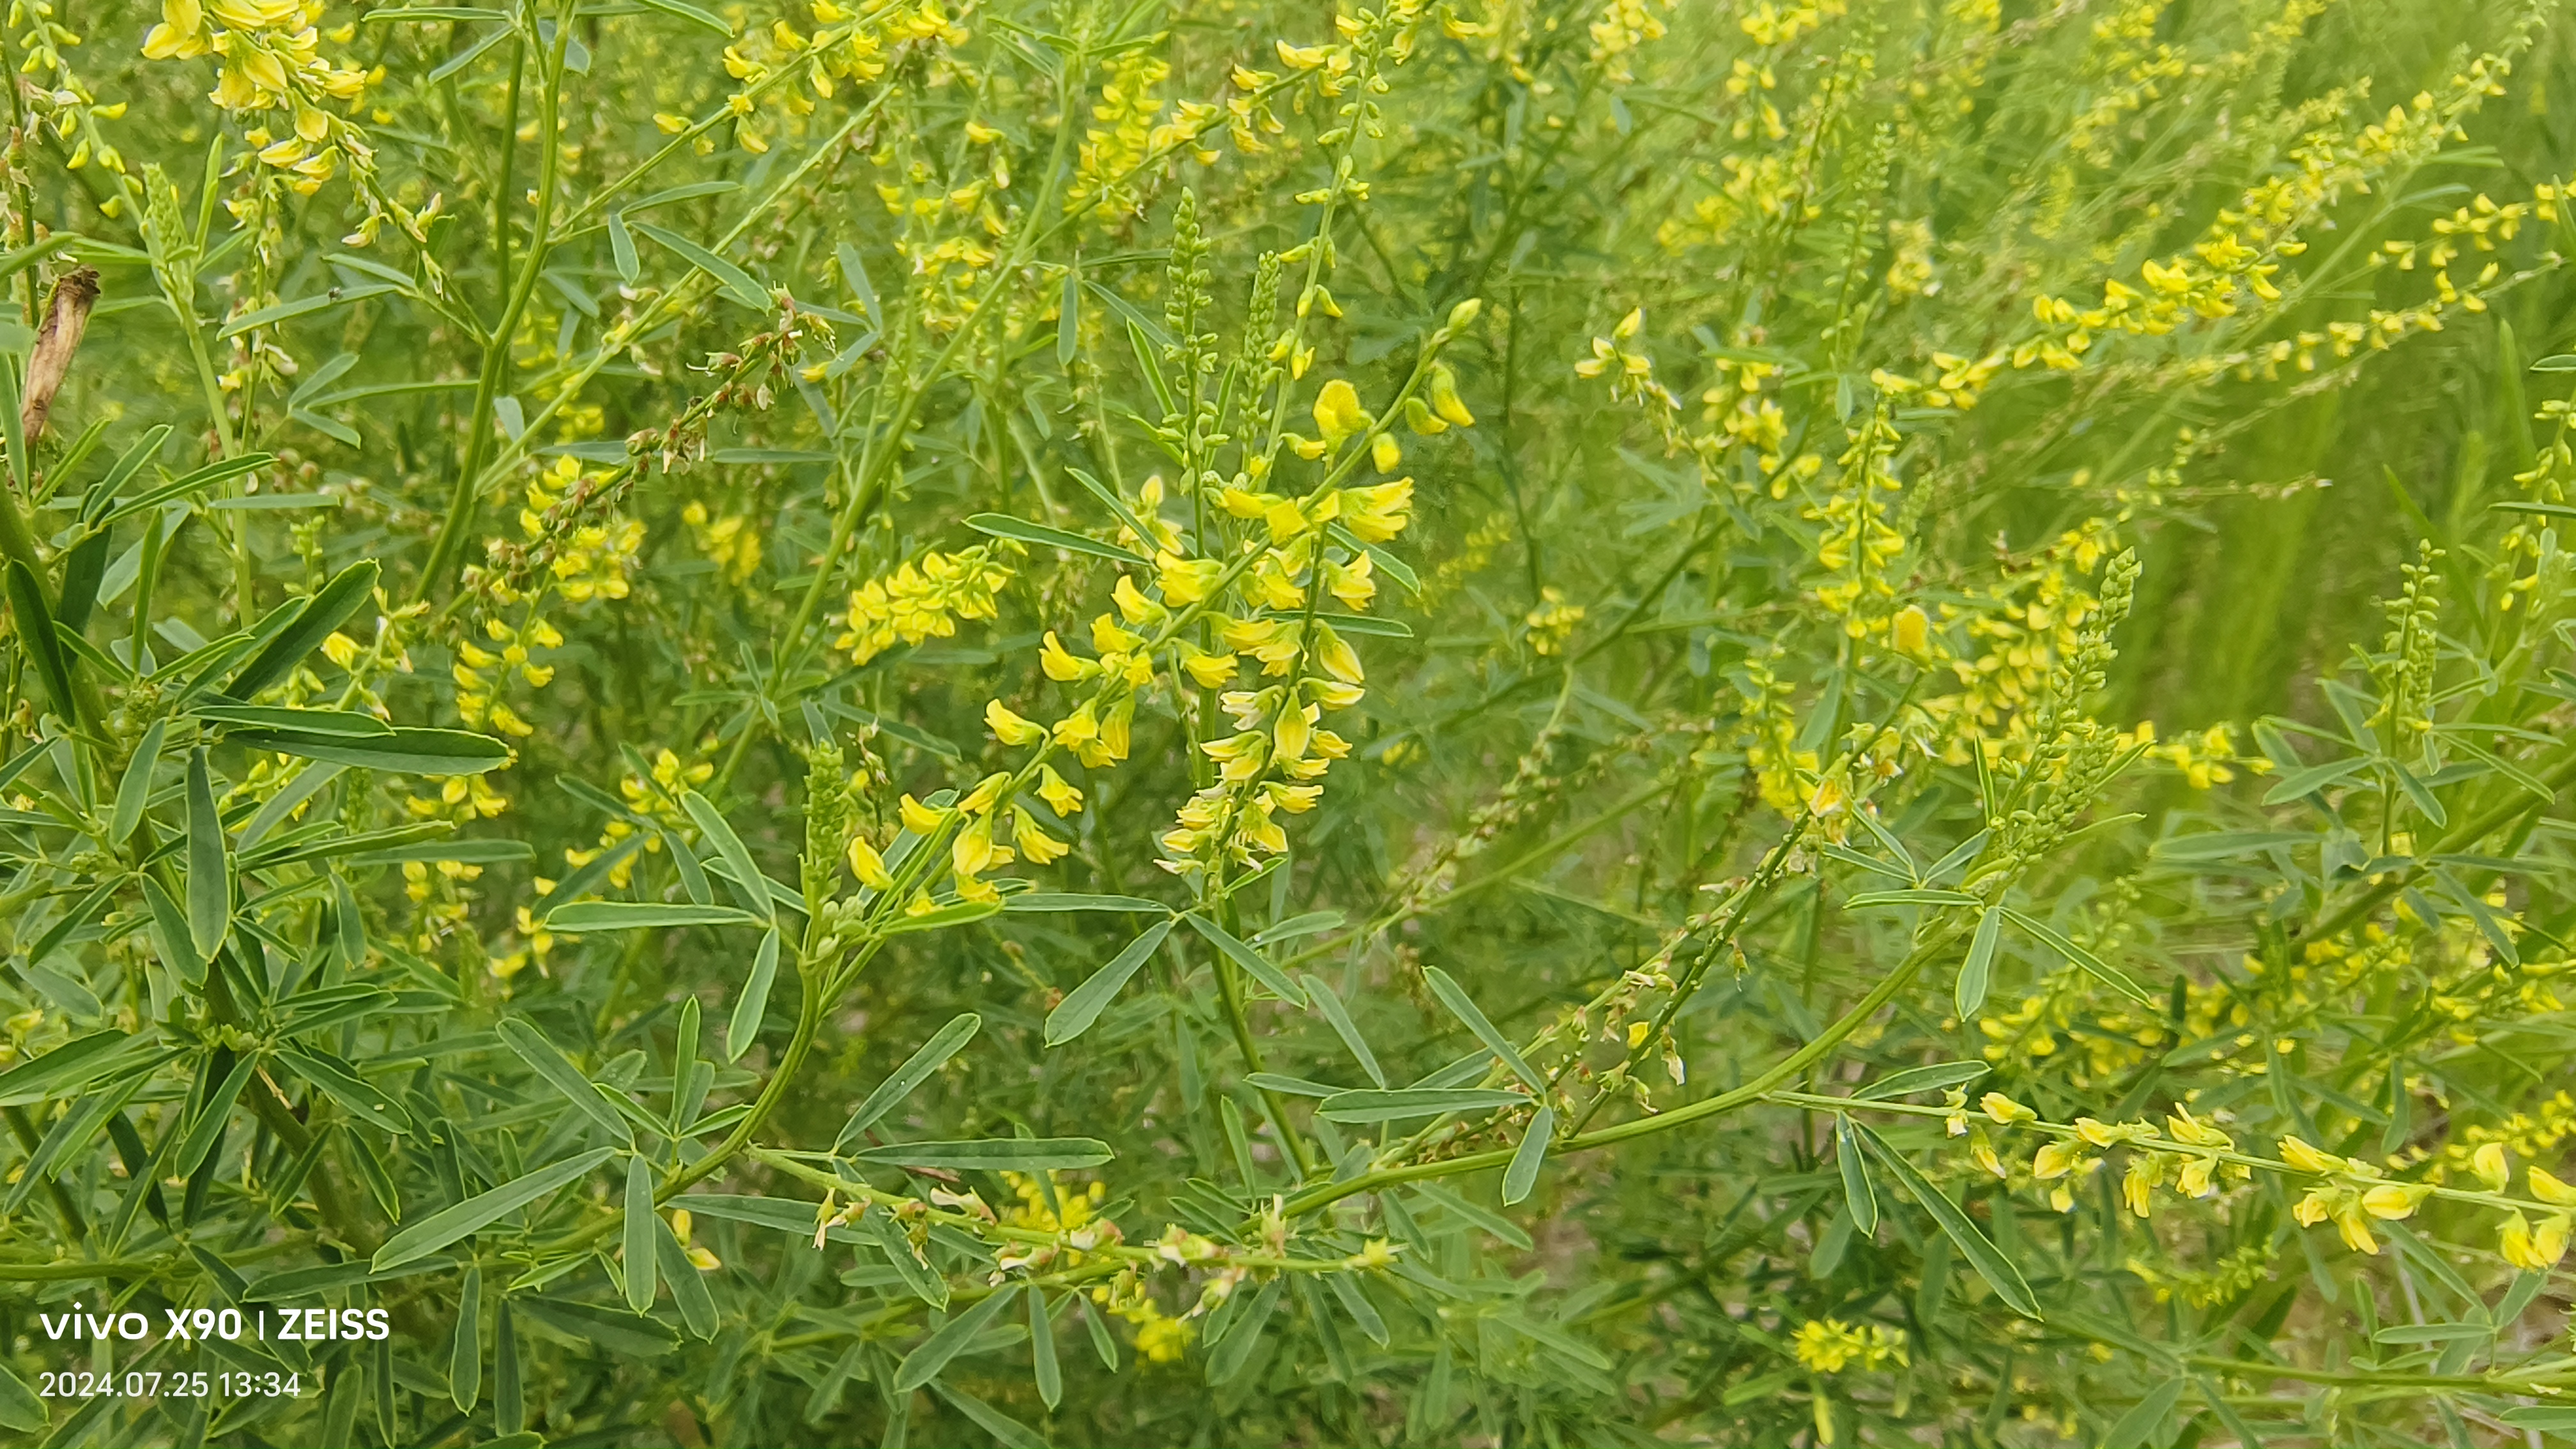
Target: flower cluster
922,599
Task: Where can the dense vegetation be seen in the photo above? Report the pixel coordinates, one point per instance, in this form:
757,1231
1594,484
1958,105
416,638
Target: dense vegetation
1491,721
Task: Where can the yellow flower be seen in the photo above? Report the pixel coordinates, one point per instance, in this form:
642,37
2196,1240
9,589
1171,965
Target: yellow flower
1060,797
2392,1201
2308,1159
2006,1111
868,866
2056,1159
1032,841
2490,1165
918,818
1338,413
1911,631
1010,728
1444,397
2546,1187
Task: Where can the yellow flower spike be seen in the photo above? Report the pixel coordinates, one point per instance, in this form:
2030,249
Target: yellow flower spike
1444,397
868,866
2006,1111
1061,797
1338,414
1010,728
2392,1201
2308,1159
2491,1167
918,818
2546,1186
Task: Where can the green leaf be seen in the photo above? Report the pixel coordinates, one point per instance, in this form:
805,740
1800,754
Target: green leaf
933,1353
929,1287
1045,901
1407,1102
1068,326
1233,1353
694,16
36,636
1083,1004
338,724
606,1329
1253,962
182,486
134,790
642,916
349,590
1009,1432
932,1055
1110,499
397,752
338,1080
2093,965
210,887
1976,973
1461,1006
1343,1027
208,1127
747,1011
465,1360
549,1062
2544,1418
1522,1175
302,306
639,1234
1857,1197
2141,1426
1930,1078
1867,899
688,1285
733,281
1355,1302
20,1409
747,881
1049,1374
621,247
479,1212
1002,525
992,1154
1991,1264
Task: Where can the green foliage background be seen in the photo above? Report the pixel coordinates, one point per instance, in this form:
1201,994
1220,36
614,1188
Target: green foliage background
1939,629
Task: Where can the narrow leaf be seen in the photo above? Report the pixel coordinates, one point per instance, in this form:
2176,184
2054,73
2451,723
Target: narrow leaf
1857,1197
748,1011
1343,1027
476,1213
641,916
1252,962
746,882
1461,1006
1082,1006
1990,1263
134,791
1919,1079
733,281
396,752
1522,1175
992,1154
348,591
1407,1102
210,888
465,1361
1002,525
2093,965
549,1062
640,1284
916,1068
1976,973
36,636
925,1361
